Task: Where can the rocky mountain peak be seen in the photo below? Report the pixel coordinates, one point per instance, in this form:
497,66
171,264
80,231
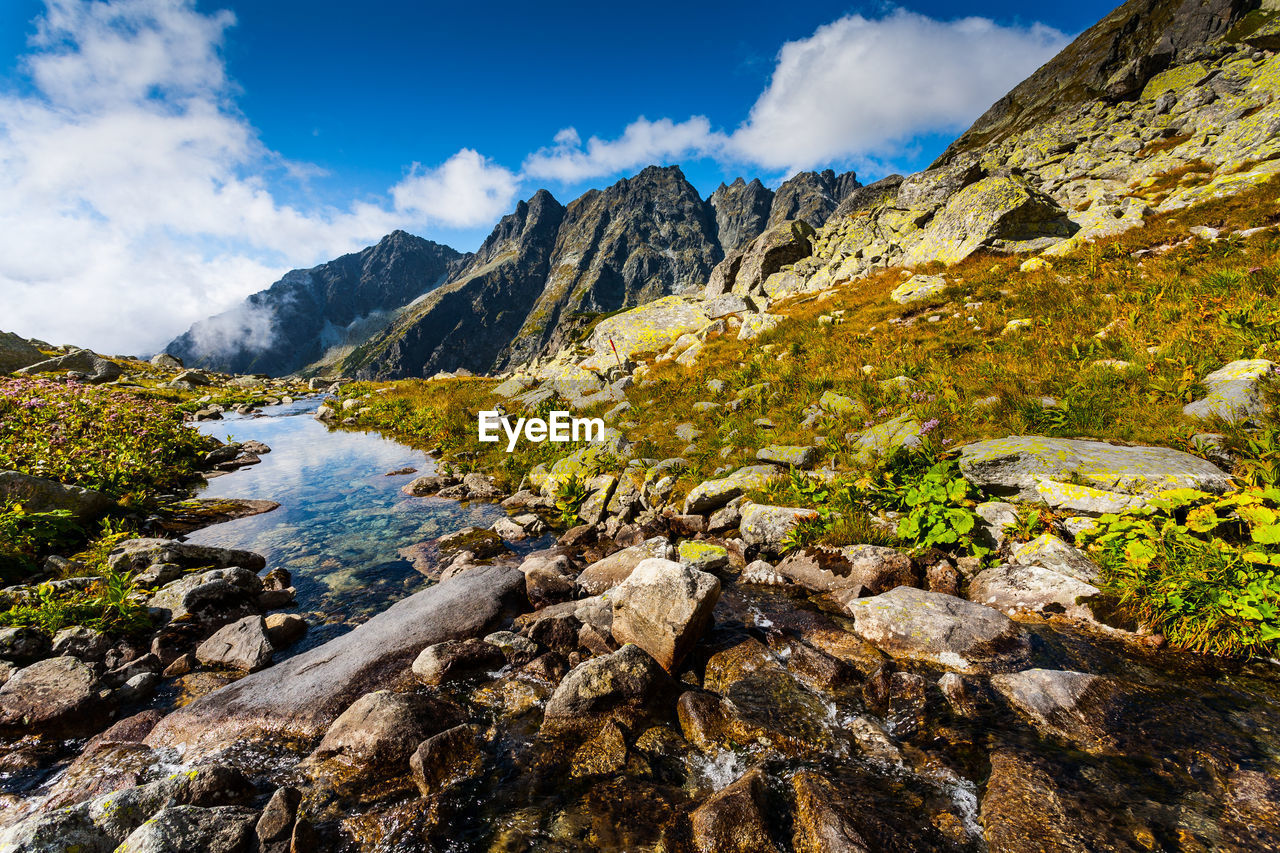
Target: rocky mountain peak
742,212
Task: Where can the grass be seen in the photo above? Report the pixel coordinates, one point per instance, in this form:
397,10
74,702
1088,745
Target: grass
103,439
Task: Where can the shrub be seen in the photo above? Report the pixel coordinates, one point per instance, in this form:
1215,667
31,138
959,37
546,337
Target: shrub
1199,568
108,605
98,438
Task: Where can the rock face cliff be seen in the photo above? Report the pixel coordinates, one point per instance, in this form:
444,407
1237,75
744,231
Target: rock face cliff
468,322
293,322
533,288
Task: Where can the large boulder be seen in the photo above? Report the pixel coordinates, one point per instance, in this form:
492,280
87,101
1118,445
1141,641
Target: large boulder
1075,706
767,527
242,645
733,820
135,555
304,694
1003,213
96,368
216,595
651,328
24,644
17,353
56,693
612,570
627,685
1235,391
382,729
1084,476
222,829
1015,588
940,629
849,572
39,494
745,274
664,607
713,494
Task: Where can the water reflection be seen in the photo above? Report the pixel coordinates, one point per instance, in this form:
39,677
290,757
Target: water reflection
341,519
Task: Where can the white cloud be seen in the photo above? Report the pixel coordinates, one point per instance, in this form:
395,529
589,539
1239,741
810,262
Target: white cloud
467,189
135,198
858,89
642,143
861,87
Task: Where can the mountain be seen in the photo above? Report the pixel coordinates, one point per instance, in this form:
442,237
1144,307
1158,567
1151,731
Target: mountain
470,321
296,320
1111,61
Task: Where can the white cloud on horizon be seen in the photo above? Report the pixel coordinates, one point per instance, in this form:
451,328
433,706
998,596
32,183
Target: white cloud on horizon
857,90
135,199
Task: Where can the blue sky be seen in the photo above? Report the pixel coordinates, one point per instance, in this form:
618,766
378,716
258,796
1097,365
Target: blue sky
214,145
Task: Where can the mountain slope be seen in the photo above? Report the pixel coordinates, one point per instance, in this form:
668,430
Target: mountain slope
292,323
468,322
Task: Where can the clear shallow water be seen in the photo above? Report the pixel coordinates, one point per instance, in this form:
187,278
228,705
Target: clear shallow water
341,520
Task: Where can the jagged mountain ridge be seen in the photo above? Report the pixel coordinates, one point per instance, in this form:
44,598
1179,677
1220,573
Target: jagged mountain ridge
292,323
544,270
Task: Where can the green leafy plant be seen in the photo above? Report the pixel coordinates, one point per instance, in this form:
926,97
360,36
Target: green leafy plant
26,535
108,605
940,512
1201,569
570,495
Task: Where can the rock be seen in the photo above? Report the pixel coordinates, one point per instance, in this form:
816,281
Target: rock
1002,213
17,353
664,607
285,629
744,273
216,595
762,573
732,820
1235,391
166,361
428,485
767,527
135,555
380,730
38,494
713,494
601,490
480,542
607,573
1050,552
939,629
650,328
755,325
791,456
454,659
517,649
918,288
1070,473
1074,706
303,694
225,829
274,828
703,556
879,441
481,487
996,516
242,645
838,404
625,685
24,644
97,369
849,572
820,825
729,303
55,693
105,821
447,759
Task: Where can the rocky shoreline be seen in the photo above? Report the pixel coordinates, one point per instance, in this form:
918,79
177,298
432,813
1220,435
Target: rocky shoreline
724,698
